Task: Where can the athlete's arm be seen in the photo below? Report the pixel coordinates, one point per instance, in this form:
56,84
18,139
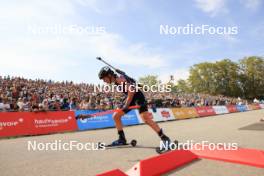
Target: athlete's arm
130,91
130,95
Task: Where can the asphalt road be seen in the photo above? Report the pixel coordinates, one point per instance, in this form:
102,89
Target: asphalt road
16,159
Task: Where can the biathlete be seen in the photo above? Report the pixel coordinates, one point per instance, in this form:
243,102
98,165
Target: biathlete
133,97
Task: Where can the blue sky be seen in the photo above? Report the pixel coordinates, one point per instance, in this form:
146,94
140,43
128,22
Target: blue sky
132,39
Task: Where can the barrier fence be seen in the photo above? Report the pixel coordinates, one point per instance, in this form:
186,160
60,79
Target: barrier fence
31,123
36,123
205,111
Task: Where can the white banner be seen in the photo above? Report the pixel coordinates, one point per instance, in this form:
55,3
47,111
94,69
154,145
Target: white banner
155,116
161,114
165,114
248,108
220,109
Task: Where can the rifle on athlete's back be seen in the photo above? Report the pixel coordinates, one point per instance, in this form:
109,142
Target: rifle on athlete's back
128,78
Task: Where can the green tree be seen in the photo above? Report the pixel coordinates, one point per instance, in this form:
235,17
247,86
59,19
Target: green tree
252,76
149,80
227,78
202,78
216,78
244,79
183,86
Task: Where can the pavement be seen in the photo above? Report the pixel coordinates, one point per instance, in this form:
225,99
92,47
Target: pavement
16,159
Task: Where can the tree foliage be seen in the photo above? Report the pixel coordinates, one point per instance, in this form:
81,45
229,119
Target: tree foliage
244,78
149,80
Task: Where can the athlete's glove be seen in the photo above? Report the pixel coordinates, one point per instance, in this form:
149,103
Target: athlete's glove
83,116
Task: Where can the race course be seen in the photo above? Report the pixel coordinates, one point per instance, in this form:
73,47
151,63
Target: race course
16,159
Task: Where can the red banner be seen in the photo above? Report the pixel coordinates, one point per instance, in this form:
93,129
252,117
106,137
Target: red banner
31,123
231,108
257,106
205,111
52,122
13,124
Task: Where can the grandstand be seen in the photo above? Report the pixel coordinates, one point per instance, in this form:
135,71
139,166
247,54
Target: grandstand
20,94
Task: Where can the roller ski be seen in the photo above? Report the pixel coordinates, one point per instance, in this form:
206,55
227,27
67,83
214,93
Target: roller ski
119,143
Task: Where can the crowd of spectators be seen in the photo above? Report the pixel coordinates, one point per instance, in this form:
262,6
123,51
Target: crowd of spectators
19,94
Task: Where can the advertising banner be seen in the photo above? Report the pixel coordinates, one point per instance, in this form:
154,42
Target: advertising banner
130,118
154,115
256,106
165,114
184,113
249,107
13,124
33,123
51,122
232,108
160,115
241,108
220,109
104,121
205,111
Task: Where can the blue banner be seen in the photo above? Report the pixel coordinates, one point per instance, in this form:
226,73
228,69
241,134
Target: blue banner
104,121
130,118
241,108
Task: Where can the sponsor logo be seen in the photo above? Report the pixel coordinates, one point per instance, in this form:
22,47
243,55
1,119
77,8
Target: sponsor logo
165,114
128,116
51,122
97,118
11,123
201,111
210,110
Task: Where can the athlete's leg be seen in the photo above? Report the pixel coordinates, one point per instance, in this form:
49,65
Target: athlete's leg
117,118
147,118
119,126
